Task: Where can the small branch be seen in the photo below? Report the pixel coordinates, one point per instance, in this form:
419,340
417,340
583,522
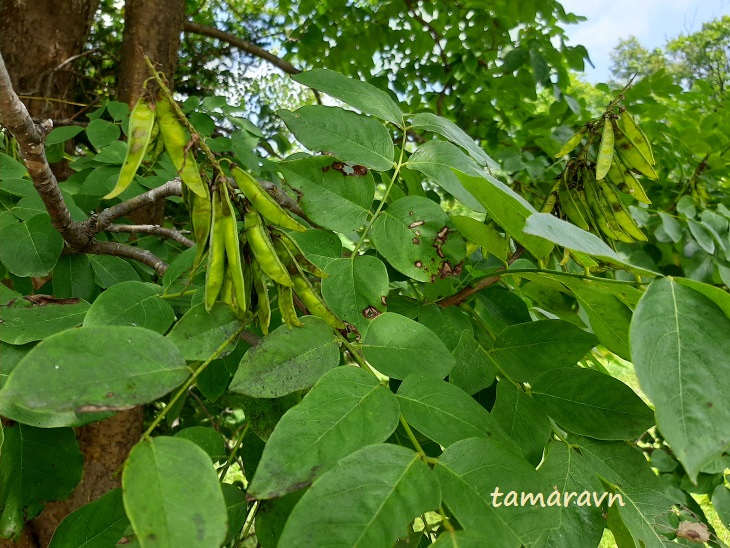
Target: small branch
458,298
241,44
122,250
251,338
155,230
63,122
104,219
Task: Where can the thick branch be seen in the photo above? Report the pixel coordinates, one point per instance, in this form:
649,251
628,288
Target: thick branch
30,136
241,44
462,295
155,230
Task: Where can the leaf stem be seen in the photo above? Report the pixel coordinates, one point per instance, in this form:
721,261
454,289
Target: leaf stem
382,201
412,436
191,380
236,444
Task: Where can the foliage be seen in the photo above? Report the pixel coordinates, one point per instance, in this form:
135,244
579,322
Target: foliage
453,342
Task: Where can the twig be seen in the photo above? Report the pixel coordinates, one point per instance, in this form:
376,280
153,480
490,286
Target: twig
465,293
104,219
241,44
155,230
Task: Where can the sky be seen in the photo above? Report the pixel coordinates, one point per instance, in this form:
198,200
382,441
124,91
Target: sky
651,21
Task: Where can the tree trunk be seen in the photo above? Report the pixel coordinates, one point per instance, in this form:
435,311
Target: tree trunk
151,28
38,41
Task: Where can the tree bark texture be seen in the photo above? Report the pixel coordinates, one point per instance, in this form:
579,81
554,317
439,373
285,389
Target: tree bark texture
39,39
152,28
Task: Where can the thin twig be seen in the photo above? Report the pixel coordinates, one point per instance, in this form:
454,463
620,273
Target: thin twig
155,230
465,293
103,219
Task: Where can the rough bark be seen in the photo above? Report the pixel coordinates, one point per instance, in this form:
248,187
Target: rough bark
151,28
39,39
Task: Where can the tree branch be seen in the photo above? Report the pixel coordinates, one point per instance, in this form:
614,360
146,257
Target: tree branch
104,219
155,230
461,296
241,44
122,250
30,137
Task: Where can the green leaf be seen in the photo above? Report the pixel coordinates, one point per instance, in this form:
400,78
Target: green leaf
320,246
349,136
95,369
565,234
287,360
263,414
356,290
237,509
448,323
721,502
36,466
483,235
394,487
507,208
62,134
526,350
473,370
102,133
198,334
397,347
671,226
444,412
30,248
459,539
10,168
435,159
325,191
131,303
361,95
645,507
681,353
523,419
73,278
99,523
580,524
702,236
407,235
686,206
109,270
157,479
447,128
590,403
609,316
207,438
479,477
24,322
347,409
271,518
540,68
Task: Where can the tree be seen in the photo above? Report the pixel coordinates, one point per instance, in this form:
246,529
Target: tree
629,59
386,340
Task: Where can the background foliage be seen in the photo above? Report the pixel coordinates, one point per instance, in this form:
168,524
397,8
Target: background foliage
512,351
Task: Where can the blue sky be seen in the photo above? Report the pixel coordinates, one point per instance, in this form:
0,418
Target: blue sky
651,21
